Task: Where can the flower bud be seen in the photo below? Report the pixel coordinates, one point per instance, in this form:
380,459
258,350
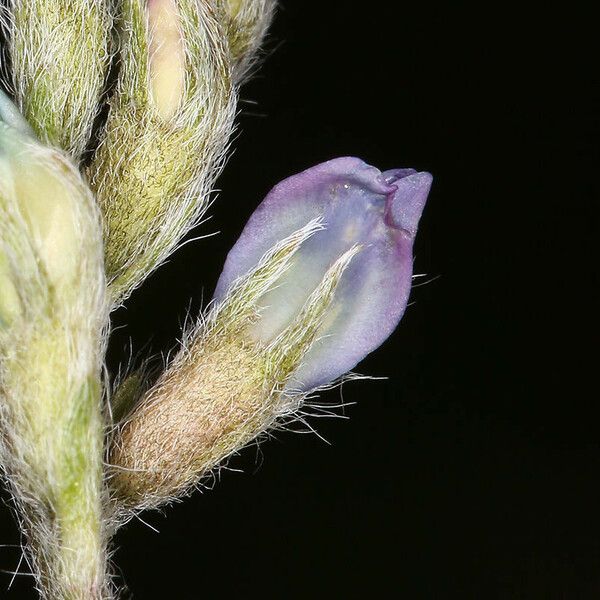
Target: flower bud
167,56
60,55
318,279
166,134
48,215
45,202
52,316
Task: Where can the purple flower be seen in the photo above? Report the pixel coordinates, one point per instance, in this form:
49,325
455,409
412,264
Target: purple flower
357,206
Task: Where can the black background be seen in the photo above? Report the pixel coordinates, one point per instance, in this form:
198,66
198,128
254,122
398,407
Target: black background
473,470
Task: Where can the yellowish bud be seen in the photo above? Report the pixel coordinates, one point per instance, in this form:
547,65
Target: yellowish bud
48,205
47,195
167,56
43,196
164,141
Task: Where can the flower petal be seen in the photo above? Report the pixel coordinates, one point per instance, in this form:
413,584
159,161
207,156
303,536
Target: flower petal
358,205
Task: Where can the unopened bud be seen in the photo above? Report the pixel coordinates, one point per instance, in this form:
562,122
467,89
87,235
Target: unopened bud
319,278
49,217
52,316
46,202
170,119
60,56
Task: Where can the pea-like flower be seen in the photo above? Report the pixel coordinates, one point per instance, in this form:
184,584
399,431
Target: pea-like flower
358,207
318,279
